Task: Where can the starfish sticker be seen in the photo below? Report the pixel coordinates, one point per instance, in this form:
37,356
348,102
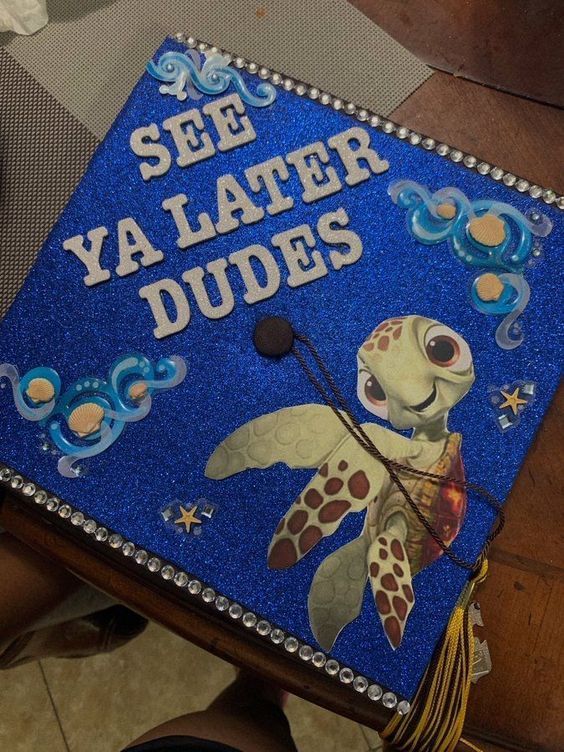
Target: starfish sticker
512,400
188,518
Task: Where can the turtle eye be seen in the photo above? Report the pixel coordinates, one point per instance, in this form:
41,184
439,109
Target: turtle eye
371,394
373,391
447,349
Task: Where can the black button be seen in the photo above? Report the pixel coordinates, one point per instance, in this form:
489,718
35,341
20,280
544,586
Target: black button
273,337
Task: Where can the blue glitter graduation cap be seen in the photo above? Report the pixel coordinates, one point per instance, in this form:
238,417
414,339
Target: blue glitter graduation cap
150,404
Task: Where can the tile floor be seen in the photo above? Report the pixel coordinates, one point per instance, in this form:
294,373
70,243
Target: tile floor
99,704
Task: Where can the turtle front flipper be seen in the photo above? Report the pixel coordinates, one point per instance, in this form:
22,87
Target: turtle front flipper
337,591
301,436
390,578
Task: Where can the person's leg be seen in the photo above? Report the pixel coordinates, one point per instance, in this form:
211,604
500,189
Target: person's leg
247,716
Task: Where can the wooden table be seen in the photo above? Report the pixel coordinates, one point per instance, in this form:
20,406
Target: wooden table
520,705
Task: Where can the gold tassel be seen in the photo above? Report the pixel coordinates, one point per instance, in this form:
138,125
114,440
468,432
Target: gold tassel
436,718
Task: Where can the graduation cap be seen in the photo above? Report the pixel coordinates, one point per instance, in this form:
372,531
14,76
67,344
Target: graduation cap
255,354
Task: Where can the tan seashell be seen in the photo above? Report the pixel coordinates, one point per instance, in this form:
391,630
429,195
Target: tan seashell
488,230
489,287
86,419
446,211
138,390
40,390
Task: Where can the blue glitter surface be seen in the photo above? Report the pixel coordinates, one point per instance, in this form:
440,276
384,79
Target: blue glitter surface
58,322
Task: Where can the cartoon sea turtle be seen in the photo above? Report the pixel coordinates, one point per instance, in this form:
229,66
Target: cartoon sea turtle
411,371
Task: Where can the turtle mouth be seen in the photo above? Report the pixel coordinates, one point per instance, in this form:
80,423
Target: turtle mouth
427,402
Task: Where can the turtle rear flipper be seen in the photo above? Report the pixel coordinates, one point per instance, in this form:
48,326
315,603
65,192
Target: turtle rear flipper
390,578
337,591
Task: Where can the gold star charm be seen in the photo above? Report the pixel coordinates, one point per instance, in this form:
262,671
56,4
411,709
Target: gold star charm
188,518
512,400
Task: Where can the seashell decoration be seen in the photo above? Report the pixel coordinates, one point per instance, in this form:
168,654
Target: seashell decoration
488,230
40,390
489,287
86,419
138,391
446,211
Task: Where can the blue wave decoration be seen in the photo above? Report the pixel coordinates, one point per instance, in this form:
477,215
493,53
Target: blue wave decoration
188,78
491,236
91,414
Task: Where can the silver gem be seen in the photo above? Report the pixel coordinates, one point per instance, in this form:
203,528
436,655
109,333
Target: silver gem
456,155
65,511
337,104
509,179
167,572
89,526
239,62
41,497
301,89
115,540
276,79
415,139
249,619
522,185
180,37
208,595
202,47
332,667
277,636
215,50
235,611
535,191
362,115
443,149
403,132
154,564
52,505
263,628
313,93
264,73
128,549
374,692
28,489
346,675
560,202
291,644
483,168
5,474
325,99
288,84
306,653
428,143
141,556
16,482
194,587
548,196
496,173
389,700
191,42
350,108
319,660
470,161
77,518
536,252
101,533
403,707
375,120
252,67
221,603
388,127
360,683
180,579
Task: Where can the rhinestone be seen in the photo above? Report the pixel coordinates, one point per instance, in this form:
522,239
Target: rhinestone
65,511
221,603
443,149
306,653
215,50
16,482
483,168
235,611
52,505
548,196
403,132
291,644
249,619
509,179
276,79
252,67
41,497
350,108
522,185
208,595
415,139
239,62
456,155
101,534
403,707
374,692
362,115
360,683
191,42
375,121
389,700
301,89
346,675
167,572
28,489
337,104
428,143
154,564
180,579
77,518
180,37
325,99
263,628
115,540
388,127
470,161
313,93
264,73
288,84
141,556
496,173
277,636
195,587
5,474
202,47
89,526
535,191
332,667
319,660
560,202
128,549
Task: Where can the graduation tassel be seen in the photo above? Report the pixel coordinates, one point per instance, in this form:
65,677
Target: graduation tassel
436,718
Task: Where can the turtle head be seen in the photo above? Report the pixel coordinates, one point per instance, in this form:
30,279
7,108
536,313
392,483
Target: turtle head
413,370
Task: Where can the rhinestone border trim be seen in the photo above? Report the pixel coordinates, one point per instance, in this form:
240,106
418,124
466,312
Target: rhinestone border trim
161,569
537,192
